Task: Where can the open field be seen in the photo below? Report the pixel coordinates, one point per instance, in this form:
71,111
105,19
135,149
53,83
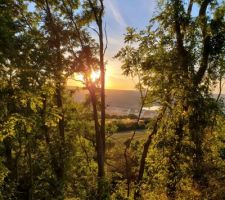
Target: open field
121,137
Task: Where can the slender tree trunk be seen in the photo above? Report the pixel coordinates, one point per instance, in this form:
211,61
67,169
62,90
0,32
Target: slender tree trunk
30,163
61,129
127,163
99,145
145,153
102,130
197,124
197,119
98,14
97,130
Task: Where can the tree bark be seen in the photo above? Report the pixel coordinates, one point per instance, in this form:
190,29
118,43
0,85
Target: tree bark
206,43
145,153
30,163
100,136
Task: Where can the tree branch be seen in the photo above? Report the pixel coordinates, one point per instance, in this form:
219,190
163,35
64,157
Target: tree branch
206,43
106,40
189,9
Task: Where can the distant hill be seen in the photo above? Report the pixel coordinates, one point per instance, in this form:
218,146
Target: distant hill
120,102
123,98
114,98
127,99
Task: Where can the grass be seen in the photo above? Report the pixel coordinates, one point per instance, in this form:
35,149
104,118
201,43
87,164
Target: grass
122,137
115,152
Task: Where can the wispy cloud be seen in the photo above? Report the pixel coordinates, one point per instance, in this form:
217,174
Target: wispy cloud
116,13
151,6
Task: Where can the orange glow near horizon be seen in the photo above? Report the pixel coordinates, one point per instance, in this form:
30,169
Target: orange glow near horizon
113,79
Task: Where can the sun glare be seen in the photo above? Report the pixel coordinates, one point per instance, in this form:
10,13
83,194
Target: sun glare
79,77
95,75
78,80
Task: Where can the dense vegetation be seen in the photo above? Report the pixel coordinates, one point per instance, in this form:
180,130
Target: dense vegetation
54,148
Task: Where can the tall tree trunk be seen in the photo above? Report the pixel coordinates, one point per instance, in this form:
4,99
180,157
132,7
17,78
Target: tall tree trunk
197,119
126,151
61,130
99,144
30,195
197,124
102,68
98,14
145,153
97,129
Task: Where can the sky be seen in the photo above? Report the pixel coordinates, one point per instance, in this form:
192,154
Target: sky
119,14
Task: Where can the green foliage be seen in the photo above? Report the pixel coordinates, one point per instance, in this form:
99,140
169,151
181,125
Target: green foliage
48,142
175,59
126,124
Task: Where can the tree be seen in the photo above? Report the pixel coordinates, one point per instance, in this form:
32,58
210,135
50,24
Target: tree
34,68
179,62
97,10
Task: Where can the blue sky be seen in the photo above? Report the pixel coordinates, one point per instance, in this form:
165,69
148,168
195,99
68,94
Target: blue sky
119,15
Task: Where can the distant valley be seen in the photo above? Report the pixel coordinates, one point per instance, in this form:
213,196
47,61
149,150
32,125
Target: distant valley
121,102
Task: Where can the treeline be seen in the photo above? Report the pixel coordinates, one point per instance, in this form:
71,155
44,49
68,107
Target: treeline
54,148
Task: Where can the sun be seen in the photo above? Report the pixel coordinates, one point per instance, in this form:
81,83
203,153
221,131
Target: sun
79,79
95,75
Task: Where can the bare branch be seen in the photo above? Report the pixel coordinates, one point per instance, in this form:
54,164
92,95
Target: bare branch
189,8
77,80
220,88
102,8
106,40
94,30
206,42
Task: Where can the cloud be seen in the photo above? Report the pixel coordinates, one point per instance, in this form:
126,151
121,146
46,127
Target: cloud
117,15
150,6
